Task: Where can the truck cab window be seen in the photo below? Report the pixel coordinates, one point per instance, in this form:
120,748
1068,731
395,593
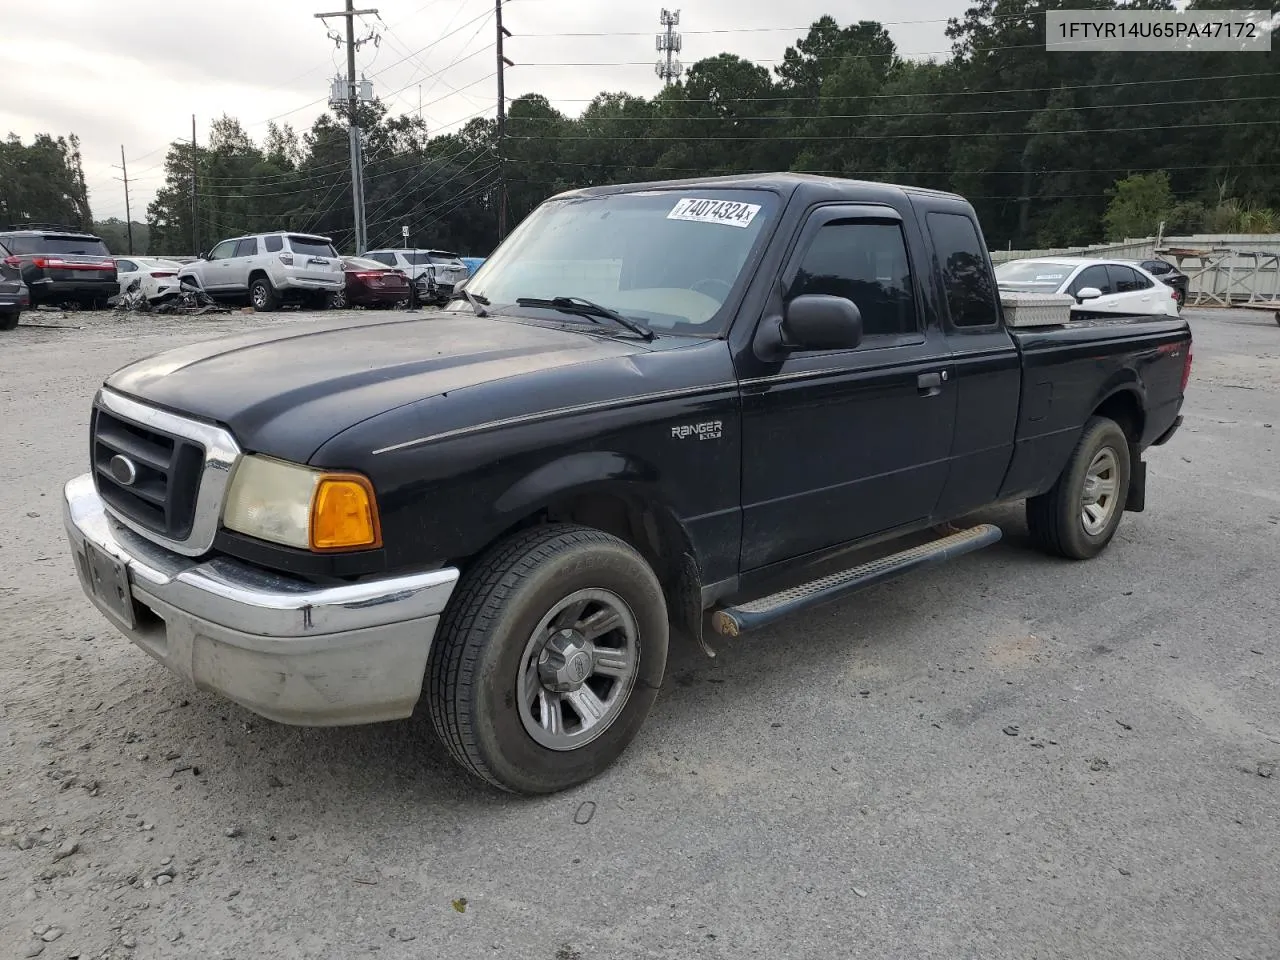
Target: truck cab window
971,296
866,263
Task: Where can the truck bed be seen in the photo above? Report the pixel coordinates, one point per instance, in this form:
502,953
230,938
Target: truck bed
1134,364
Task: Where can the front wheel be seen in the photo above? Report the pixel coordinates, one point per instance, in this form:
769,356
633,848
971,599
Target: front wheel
1078,517
548,659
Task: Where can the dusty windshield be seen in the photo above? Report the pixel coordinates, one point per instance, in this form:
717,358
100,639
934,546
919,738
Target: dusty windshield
668,260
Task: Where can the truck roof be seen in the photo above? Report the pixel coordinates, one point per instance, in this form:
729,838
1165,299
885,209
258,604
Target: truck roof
780,183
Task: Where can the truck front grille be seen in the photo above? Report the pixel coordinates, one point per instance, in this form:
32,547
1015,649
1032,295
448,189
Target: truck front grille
161,481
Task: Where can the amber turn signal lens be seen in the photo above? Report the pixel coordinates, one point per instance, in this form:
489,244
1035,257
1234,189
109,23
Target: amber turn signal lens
344,514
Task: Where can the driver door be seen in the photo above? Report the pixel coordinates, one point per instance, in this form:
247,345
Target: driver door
839,445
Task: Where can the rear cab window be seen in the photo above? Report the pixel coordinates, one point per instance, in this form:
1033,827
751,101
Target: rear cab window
968,282
312,247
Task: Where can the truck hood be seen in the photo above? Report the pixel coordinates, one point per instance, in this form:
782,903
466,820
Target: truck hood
287,390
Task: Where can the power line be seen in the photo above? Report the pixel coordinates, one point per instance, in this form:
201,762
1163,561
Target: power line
465,196
922,136
934,95
789,117
437,75
770,62
424,170
941,173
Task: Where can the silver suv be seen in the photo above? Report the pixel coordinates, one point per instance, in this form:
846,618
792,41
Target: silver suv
436,272
270,268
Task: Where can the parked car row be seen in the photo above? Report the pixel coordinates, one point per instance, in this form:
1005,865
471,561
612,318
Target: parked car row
272,269
436,272
55,266
1100,287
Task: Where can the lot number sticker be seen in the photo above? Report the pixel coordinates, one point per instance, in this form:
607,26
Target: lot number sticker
729,212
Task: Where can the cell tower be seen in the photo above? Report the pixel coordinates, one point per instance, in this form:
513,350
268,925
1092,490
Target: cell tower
669,43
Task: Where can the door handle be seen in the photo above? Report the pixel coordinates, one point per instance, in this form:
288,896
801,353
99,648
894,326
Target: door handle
930,384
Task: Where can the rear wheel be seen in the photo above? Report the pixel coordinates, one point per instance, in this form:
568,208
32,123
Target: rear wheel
9,319
548,659
263,295
1078,517
338,300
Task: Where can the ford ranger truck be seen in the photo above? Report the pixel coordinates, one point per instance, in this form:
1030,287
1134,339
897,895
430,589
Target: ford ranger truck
656,409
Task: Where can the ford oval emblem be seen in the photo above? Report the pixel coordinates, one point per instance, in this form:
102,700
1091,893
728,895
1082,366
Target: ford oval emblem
123,470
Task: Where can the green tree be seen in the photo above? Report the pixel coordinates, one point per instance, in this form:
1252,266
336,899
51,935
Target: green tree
43,182
1138,204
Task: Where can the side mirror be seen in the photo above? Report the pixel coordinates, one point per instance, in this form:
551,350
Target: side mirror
1087,293
820,322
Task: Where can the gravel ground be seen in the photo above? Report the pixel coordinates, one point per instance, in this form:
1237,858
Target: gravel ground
1008,757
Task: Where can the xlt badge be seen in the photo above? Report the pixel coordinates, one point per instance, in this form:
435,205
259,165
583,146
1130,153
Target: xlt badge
710,430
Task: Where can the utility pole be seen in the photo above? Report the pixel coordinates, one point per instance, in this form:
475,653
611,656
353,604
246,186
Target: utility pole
128,217
669,43
195,220
503,63
352,99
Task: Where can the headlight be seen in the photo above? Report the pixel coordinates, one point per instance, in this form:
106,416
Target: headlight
301,507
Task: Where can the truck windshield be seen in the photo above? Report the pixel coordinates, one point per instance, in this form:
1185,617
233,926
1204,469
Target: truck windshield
1032,276
666,259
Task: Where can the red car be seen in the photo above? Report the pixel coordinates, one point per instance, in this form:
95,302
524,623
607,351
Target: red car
370,284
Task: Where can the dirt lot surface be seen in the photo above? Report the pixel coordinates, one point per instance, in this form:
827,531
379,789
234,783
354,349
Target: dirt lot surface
1008,757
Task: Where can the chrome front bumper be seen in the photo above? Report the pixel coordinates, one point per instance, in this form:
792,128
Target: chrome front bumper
288,650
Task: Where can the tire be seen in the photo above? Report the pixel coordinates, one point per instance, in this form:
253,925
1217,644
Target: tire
9,319
485,661
1059,521
337,301
263,296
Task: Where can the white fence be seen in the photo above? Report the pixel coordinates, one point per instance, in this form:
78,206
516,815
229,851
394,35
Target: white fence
1222,267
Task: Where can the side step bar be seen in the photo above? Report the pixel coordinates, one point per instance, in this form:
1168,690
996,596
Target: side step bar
732,621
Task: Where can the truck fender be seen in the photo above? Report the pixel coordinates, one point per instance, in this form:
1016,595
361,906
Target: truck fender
632,481
1124,398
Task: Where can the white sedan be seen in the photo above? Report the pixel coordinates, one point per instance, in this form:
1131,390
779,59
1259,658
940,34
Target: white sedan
156,278
1098,286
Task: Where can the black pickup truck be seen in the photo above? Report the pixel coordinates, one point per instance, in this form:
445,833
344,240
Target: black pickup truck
671,405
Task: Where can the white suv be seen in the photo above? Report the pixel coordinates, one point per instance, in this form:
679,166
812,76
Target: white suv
270,268
440,269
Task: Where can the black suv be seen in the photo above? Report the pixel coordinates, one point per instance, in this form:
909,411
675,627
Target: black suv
61,265
13,296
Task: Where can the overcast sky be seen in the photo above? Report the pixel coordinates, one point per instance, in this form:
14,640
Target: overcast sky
135,78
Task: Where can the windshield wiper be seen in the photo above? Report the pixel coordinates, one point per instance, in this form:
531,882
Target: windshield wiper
581,307
478,301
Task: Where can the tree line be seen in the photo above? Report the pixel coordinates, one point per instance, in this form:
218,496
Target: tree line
1053,149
